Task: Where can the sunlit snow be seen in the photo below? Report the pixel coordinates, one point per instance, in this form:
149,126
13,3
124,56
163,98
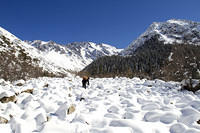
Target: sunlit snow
177,22
111,105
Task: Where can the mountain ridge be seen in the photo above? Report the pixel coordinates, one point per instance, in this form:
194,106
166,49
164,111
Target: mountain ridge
77,54
172,31
166,50
49,58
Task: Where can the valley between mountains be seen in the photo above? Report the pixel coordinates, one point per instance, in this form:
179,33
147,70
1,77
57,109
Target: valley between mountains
137,89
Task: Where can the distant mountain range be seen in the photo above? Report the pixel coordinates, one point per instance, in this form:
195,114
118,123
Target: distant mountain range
166,50
31,59
73,56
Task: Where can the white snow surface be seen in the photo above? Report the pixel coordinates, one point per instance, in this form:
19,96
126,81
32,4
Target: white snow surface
174,31
179,22
108,105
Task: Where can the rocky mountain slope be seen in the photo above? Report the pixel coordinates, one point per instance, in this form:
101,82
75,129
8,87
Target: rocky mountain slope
167,50
30,59
21,61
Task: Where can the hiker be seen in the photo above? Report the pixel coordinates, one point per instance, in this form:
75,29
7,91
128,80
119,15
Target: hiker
85,81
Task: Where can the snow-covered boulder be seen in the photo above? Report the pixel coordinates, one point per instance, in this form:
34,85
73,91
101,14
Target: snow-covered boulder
3,120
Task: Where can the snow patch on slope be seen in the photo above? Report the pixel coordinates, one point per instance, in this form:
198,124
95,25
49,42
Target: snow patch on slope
177,22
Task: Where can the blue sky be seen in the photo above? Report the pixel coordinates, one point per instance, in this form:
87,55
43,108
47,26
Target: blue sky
115,22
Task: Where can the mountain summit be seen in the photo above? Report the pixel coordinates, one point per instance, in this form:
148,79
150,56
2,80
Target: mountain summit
170,32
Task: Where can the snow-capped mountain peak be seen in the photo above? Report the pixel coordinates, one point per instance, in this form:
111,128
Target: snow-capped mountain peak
174,31
73,56
92,50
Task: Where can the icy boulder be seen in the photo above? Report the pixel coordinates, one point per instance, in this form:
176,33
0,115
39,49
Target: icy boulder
62,111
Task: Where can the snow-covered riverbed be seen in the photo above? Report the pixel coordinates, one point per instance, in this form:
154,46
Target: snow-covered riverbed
108,105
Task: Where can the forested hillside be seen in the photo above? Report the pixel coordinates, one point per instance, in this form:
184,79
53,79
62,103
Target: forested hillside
152,60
